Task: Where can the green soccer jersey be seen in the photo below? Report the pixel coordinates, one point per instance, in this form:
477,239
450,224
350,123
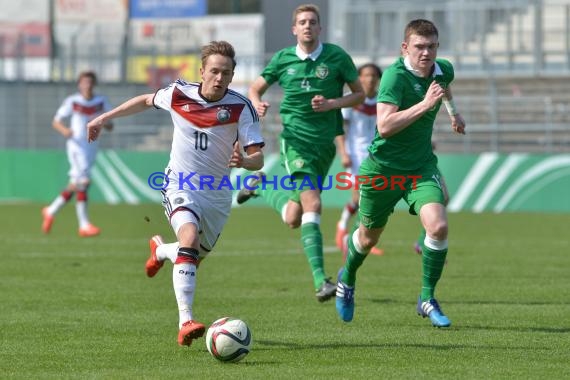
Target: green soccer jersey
301,80
410,148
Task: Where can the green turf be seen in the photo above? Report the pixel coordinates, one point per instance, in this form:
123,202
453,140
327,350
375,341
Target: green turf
83,308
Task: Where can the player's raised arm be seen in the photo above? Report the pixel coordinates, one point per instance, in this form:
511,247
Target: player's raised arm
130,107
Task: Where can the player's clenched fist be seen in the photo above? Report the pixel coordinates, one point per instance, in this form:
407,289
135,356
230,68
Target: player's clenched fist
94,128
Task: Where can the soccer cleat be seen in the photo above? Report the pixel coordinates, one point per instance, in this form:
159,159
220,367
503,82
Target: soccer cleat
89,231
326,291
376,251
245,194
340,234
47,221
189,331
153,264
432,310
344,299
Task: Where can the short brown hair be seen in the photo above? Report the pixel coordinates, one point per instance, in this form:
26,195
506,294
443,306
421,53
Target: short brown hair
420,27
306,8
222,48
87,74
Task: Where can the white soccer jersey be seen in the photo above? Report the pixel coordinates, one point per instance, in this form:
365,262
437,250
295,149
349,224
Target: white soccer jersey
81,153
203,138
361,130
81,111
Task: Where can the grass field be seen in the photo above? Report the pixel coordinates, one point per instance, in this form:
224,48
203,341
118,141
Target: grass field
83,308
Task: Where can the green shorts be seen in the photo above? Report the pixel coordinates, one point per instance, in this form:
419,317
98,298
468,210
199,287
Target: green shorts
304,161
387,186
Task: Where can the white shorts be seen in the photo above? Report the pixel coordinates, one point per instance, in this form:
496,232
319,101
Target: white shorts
81,161
189,206
356,160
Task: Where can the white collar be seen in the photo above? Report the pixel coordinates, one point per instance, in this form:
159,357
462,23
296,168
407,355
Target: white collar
437,71
313,56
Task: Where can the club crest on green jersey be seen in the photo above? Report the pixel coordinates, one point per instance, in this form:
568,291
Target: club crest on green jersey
322,71
299,163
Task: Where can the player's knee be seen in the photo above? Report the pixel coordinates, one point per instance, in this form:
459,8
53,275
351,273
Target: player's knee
81,185
292,214
365,239
368,242
293,222
312,204
438,230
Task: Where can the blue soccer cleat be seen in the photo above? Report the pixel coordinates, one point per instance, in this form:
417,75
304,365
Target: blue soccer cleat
432,310
344,299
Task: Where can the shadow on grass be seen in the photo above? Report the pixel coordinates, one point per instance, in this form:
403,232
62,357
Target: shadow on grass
270,345
472,302
550,330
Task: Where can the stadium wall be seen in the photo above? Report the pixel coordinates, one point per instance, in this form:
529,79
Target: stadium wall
488,182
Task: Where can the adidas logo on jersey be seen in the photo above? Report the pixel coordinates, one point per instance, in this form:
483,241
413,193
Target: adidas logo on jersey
186,108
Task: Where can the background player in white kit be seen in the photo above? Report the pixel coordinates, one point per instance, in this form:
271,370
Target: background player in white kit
79,108
360,128
210,123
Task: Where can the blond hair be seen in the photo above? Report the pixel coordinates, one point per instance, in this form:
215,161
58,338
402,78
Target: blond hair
306,8
222,48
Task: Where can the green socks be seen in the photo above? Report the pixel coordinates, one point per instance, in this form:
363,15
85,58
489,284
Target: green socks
432,263
274,197
312,241
354,260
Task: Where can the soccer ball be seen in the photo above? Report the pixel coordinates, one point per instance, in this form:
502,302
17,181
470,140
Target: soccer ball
228,339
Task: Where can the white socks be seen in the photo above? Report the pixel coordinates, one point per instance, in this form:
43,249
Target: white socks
347,211
184,283
435,245
81,210
311,217
56,205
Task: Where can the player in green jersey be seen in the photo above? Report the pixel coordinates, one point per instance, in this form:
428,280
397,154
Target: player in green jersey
312,75
411,92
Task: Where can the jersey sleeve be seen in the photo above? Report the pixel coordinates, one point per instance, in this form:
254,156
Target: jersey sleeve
163,97
349,71
447,68
391,90
271,73
65,109
249,129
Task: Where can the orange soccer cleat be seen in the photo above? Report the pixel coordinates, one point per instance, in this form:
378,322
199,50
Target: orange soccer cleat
376,251
47,221
153,264
190,330
89,231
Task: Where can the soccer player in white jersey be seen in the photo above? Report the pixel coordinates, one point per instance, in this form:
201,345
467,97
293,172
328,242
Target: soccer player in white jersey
360,128
210,122
79,108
